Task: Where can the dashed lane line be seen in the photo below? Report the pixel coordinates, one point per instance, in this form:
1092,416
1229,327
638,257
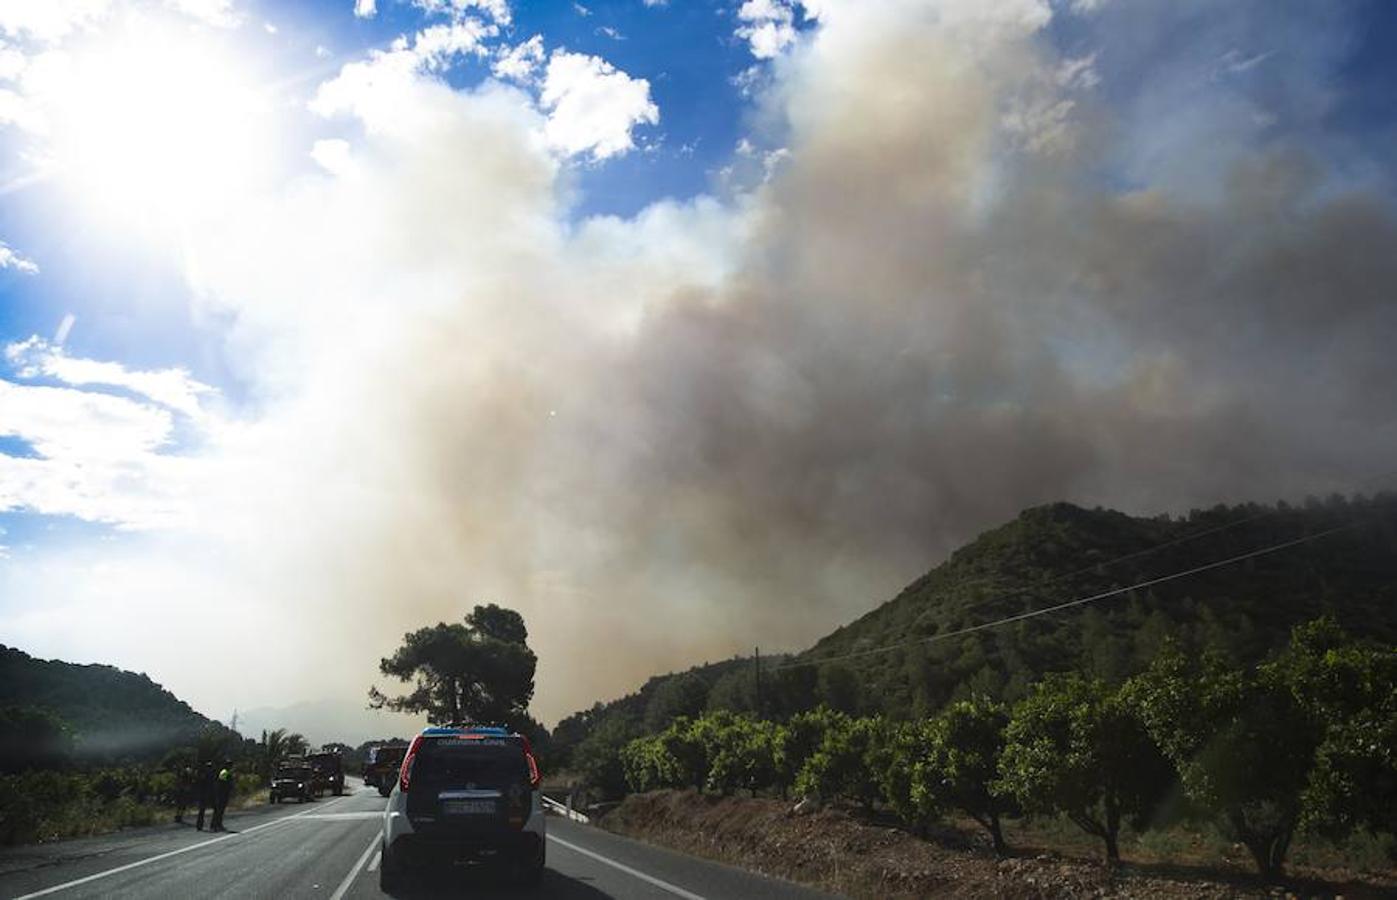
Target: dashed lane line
358,864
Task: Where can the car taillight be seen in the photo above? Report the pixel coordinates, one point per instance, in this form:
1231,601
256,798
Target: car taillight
405,773
535,779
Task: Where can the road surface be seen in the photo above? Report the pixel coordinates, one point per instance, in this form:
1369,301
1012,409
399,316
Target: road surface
328,849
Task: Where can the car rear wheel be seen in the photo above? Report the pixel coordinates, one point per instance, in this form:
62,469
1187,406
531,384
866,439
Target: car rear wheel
529,870
390,875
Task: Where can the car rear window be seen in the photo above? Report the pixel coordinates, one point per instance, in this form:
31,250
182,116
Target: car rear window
456,762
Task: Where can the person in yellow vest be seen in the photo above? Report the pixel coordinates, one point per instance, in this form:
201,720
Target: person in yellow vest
223,790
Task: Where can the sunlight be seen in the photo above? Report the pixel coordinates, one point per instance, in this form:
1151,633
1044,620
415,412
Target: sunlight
158,126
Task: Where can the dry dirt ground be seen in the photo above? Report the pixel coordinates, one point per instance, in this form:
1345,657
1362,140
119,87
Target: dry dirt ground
838,852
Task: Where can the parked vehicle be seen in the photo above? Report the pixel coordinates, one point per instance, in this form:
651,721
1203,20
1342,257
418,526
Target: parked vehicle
465,795
293,781
381,766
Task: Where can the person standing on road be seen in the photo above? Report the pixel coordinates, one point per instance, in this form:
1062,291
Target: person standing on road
223,790
205,788
184,787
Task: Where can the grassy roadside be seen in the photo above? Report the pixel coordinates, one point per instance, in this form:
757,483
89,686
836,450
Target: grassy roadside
43,806
837,852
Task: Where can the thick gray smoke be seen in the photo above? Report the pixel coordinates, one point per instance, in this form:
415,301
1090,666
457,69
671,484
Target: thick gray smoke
957,272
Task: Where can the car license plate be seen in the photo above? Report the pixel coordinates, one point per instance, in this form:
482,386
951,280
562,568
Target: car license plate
468,807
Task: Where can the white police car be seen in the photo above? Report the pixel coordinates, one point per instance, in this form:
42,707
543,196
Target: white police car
464,795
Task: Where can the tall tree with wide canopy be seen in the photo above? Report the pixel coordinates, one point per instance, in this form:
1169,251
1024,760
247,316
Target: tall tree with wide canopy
477,670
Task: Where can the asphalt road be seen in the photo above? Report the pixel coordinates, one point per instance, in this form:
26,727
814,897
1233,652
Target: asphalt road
329,849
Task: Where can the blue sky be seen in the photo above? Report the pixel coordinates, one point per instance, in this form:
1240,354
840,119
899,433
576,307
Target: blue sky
650,317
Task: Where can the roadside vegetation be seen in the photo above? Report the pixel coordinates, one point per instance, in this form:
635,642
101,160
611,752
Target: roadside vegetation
1223,717
1301,746
66,771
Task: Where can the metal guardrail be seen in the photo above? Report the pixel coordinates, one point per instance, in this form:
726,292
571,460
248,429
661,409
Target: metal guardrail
555,807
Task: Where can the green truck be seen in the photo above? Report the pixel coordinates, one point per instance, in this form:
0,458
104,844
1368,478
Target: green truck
328,768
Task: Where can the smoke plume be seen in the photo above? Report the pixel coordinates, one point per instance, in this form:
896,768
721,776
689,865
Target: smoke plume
956,271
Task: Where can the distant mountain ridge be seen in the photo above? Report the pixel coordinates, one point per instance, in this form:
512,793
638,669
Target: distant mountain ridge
113,714
1058,553
891,659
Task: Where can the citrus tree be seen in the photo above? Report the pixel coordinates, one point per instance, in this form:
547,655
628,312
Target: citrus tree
1073,746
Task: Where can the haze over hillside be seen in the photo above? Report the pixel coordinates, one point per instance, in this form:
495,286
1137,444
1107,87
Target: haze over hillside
112,714
1054,554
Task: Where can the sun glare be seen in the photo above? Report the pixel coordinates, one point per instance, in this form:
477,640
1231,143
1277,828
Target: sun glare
158,125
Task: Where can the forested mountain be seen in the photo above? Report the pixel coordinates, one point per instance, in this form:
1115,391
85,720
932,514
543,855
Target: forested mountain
1059,553
1050,555
108,714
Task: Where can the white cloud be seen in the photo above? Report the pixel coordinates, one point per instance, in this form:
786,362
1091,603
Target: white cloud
1078,72
173,388
220,13
497,10
365,9
520,62
12,62
9,259
66,424
334,156
377,89
581,10
439,45
609,32
1041,124
19,111
592,106
49,20
768,26
96,457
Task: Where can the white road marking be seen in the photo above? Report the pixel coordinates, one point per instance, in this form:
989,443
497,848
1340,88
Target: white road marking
150,859
359,864
373,863
343,817
634,873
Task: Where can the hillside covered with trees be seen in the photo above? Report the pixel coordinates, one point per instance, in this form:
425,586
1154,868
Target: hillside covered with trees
91,713
911,656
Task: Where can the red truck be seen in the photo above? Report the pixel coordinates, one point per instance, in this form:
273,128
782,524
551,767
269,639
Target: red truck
381,767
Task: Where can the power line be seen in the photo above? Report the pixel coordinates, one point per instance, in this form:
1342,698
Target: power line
1182,539
1092,598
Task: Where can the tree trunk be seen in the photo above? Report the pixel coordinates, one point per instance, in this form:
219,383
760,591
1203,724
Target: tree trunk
1111,833
1001,848
1268,849
1269,853
1113,850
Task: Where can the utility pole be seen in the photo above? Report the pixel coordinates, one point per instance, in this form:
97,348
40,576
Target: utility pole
757,660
